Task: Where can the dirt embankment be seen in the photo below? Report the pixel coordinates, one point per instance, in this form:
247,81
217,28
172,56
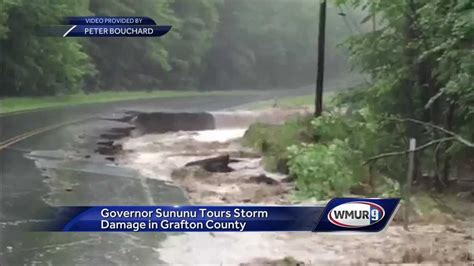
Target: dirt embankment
243,181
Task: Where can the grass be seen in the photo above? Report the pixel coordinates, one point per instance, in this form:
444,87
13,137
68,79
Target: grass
306,101
17,104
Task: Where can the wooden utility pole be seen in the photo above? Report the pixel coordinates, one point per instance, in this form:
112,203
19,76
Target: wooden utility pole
318,101
410,173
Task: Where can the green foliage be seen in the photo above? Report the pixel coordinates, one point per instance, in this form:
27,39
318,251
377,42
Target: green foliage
4,8
326,154
422,50
268,44
273,140
216,45
359,129
130,63
38,65
325,170
420,63
173,61
334,165
195,26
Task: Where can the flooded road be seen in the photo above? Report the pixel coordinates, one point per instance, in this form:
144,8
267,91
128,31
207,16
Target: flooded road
59,167
76,165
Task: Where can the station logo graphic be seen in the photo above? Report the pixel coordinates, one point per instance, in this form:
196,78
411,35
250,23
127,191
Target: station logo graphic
356,214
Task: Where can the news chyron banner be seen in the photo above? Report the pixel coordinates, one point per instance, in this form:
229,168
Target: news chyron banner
365,215
106,27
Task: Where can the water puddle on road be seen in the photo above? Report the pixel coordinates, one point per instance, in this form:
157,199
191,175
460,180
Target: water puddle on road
75,180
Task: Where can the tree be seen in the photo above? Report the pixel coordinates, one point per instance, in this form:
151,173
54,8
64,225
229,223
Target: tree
419,61
270,44
130,63
34,65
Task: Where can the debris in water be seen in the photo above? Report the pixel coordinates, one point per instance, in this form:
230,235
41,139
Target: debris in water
286,261
105,143
219,164
262,178
109,149
288,179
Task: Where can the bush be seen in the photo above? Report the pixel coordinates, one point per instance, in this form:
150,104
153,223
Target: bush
326,154
334,166
272,140
325,171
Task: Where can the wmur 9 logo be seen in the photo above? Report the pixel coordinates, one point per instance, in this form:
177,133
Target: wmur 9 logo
356,214
369,215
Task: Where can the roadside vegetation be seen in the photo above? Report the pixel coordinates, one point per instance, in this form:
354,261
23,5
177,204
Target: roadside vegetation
420,72
305,101
17,104
273,140
325,155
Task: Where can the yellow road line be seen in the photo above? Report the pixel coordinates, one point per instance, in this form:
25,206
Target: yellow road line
37,131
20,112
16,137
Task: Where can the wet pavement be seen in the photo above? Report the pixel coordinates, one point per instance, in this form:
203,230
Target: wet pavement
59,167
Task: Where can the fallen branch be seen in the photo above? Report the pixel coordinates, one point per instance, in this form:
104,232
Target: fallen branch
456,136
397,153
433,99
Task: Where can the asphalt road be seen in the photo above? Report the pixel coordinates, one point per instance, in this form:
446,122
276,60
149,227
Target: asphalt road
58,167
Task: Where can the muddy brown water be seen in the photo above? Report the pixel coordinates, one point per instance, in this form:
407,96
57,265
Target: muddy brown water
155,154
